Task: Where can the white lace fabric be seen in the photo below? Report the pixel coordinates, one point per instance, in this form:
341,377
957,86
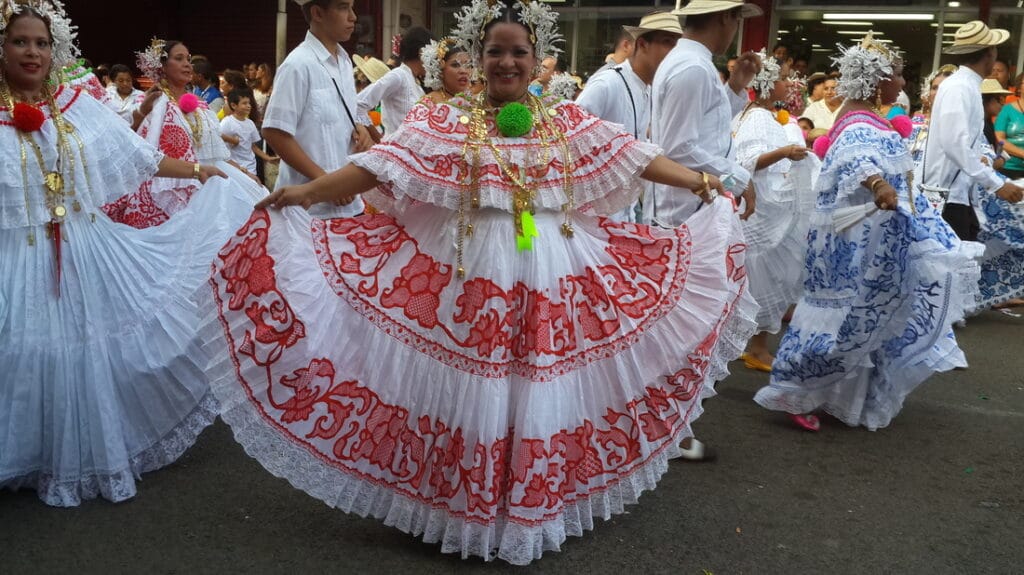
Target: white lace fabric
426,161
113,159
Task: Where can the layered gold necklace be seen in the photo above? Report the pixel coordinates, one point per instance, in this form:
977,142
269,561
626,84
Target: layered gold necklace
56,187
192,118
549,137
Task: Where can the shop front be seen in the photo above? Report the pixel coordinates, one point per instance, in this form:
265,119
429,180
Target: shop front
921,29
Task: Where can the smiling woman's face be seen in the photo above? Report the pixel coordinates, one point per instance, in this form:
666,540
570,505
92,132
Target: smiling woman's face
28,53
508,62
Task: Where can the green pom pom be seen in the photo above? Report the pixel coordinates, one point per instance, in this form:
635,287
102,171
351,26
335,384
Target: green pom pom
515,120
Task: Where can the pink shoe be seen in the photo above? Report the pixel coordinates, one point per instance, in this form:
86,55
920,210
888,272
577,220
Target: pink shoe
806,421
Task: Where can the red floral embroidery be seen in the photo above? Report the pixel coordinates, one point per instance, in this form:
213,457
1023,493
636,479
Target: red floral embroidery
140,209
516,477
248,275
510,325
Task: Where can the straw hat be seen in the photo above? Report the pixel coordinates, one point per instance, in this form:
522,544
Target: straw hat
655,22
694,7
974,36
371,67
992,86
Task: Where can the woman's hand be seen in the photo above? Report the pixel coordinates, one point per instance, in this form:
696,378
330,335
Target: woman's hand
707,187
796,153
207,172
289,196
147,102
885,194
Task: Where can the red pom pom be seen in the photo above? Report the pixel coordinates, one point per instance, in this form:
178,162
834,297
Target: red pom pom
821,145
188,102
27,118
903,125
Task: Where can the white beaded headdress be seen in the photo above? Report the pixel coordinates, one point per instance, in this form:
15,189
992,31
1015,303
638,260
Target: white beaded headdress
764,82
433,55
65,52
926,84
563,85
151,60
537,16
863,66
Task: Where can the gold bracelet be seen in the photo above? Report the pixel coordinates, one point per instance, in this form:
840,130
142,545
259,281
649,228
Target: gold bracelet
874,185
705,186
195,171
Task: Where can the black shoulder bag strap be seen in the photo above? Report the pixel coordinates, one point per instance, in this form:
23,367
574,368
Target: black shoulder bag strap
632,102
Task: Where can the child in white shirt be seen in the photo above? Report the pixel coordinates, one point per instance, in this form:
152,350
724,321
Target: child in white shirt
240,133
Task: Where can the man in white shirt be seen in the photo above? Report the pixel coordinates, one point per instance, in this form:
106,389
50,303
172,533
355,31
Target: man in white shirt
953,156
399,90
623,50
309,121
692,109
823,112
124,96
622,93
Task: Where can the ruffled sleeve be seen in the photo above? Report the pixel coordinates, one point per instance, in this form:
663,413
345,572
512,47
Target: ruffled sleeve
428,160
114,161
859,151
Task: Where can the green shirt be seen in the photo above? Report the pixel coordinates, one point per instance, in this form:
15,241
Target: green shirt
1011,121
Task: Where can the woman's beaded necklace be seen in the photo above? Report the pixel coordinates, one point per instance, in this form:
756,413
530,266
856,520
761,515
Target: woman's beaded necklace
549,136
55,185
193,120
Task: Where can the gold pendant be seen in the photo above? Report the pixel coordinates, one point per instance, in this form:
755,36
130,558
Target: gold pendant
60,211
54,182
77,207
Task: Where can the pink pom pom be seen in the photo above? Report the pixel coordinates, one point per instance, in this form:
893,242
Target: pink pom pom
188,103
821,145
903,125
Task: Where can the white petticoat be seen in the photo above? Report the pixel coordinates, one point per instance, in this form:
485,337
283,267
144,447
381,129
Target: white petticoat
106,381
497,414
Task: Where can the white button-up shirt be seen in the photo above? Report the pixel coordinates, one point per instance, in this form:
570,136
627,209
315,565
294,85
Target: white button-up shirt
306,104
819,113
623,99
396,92
124,106
691,113
955,147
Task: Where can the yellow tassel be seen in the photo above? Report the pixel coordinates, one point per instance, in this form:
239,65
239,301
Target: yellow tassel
524,242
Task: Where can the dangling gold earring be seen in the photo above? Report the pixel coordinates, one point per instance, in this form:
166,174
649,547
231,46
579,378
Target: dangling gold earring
878,98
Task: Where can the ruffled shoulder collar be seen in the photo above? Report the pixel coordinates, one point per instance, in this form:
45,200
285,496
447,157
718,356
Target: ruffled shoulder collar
450,119
65,97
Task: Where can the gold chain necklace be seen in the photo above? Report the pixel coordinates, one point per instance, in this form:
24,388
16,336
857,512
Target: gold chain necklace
192,118
548,134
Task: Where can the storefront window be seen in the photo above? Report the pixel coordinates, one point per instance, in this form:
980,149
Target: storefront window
596,39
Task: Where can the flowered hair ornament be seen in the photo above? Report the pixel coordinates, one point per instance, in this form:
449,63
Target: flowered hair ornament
433,56
151,60
64,52
863,66
536,16
944,70
564,86
764,82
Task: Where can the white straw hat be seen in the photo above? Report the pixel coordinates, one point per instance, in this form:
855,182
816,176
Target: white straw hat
655,22
992,86
974,36
694,7
371,67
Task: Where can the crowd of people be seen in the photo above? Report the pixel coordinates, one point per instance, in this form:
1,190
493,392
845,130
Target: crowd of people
484,301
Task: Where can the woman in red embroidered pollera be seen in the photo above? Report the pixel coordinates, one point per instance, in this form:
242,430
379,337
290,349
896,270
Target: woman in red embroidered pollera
486,363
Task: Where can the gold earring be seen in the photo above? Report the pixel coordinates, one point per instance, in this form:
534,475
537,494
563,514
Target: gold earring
878,98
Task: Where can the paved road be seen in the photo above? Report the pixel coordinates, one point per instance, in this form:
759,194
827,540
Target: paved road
940,491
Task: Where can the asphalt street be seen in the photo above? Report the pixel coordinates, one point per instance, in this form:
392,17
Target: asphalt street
939,491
